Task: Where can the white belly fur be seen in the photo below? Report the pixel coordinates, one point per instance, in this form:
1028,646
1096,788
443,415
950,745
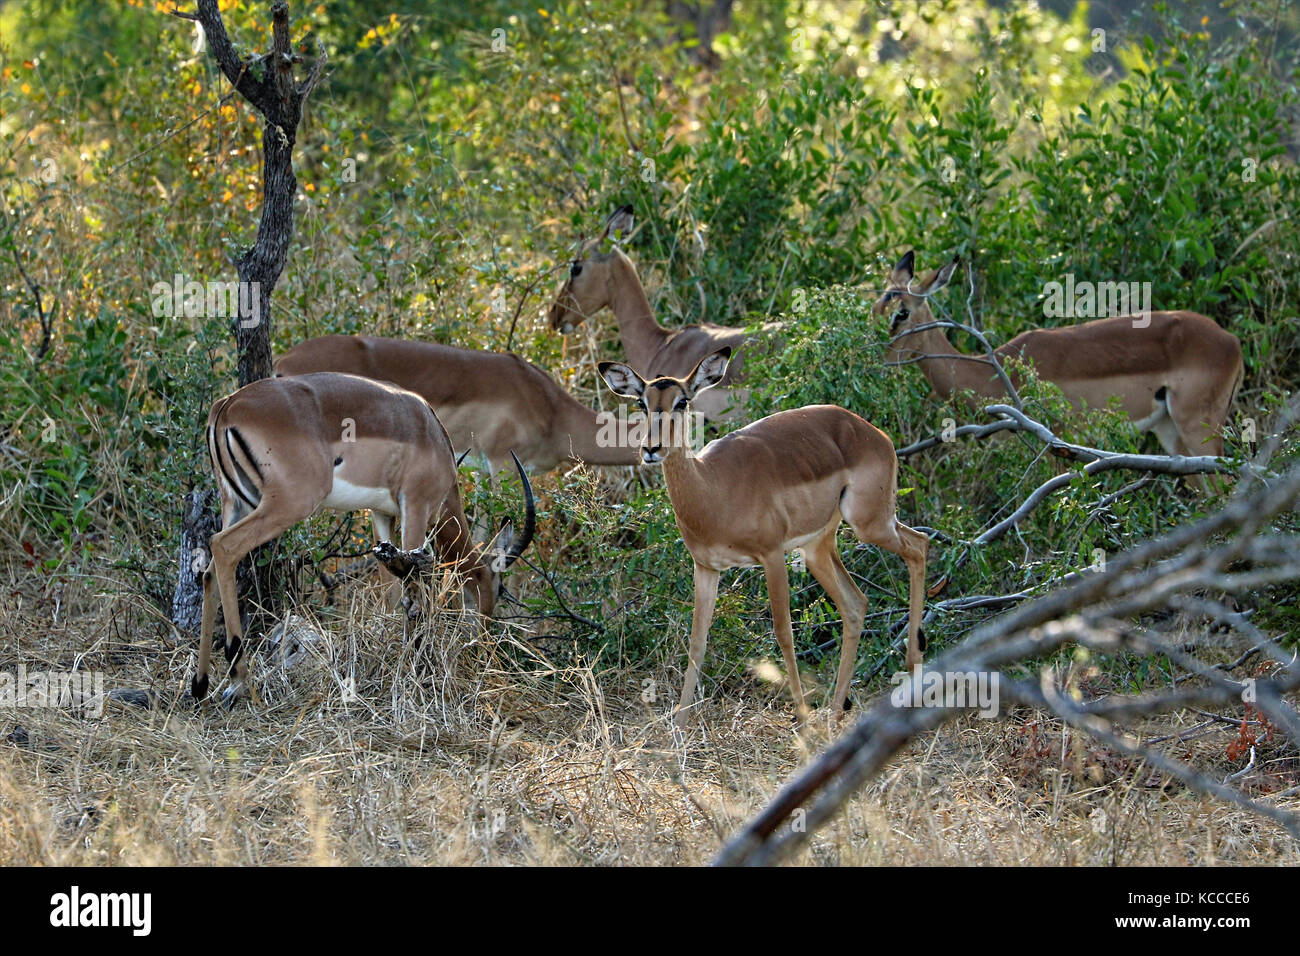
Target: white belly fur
345,496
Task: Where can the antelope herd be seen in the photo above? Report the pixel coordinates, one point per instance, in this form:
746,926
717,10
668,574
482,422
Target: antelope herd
358,422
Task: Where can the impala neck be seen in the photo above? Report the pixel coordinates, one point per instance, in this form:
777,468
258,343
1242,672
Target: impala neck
947,373
687,477
642,336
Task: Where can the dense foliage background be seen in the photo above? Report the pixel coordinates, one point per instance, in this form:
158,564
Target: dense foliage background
456,153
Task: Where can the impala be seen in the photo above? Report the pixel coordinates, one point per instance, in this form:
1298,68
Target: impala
783,482
599,279
494,403
284,448
1175,377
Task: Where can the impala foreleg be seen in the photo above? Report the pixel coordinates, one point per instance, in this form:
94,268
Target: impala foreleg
706,596
778,593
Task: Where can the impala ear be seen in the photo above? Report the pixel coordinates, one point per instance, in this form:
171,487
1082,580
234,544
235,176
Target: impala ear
619,224
938,279
621,379
710,371
903,272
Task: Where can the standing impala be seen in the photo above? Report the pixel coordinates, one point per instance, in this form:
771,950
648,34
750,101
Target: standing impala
599,279
1175,377
492,402
783,482
284,448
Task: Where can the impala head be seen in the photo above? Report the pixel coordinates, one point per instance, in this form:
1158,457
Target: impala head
590,285
666,401
905,300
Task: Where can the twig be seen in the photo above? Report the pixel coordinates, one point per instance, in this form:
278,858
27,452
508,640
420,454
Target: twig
45,318
510,337
560,598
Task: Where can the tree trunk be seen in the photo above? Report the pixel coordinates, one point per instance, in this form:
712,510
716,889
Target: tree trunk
197,526
276,95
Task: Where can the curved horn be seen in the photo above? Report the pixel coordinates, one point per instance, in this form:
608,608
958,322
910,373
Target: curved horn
518,546
463,456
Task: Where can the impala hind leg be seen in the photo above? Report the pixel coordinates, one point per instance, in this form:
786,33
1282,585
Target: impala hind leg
706,596
778,593
1160,422
1199,428
229,547
890,534
824,561
230,514
199,682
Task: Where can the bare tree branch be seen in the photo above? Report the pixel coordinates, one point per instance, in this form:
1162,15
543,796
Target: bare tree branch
235,68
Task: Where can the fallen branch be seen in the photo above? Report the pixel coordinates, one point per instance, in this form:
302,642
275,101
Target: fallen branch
1098,461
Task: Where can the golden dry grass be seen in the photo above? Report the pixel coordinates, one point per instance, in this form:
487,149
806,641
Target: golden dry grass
476,750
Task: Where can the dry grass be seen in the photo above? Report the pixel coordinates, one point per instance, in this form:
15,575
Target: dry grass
478,750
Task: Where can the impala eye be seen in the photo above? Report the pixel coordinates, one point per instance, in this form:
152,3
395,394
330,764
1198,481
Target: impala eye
681,405
575,270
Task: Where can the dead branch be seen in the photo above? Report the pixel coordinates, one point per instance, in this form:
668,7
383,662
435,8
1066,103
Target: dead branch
1098,460
978,431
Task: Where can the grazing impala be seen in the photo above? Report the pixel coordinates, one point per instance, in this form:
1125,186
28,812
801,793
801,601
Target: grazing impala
1175,376
284,448
783,482
494,403
599,279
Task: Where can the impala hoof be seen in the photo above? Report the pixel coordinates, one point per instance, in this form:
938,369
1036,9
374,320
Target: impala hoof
199,687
